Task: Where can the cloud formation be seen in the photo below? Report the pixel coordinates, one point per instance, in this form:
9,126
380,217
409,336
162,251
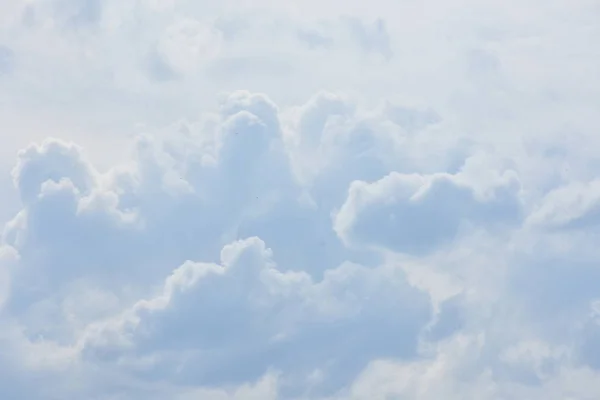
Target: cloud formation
416,214
284,201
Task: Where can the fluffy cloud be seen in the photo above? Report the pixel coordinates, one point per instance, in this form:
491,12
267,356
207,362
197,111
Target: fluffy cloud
401,203
237,320
91,242
84,259
416,214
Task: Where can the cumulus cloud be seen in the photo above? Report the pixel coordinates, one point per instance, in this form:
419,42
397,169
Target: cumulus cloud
416,214
279,200
175,203
239,319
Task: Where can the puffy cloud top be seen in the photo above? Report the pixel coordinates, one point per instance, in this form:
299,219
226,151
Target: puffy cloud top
416,214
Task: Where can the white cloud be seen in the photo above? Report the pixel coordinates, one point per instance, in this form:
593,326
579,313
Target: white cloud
239,319
571,206
182,47
416,214
317,200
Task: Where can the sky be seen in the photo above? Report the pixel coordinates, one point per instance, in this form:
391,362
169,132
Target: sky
328,200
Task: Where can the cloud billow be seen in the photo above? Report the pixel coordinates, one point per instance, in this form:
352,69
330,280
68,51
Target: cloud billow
401,203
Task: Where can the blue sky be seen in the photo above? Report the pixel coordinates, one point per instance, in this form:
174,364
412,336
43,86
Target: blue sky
329,200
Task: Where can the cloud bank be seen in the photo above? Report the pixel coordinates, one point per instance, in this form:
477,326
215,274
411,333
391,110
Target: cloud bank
287,201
